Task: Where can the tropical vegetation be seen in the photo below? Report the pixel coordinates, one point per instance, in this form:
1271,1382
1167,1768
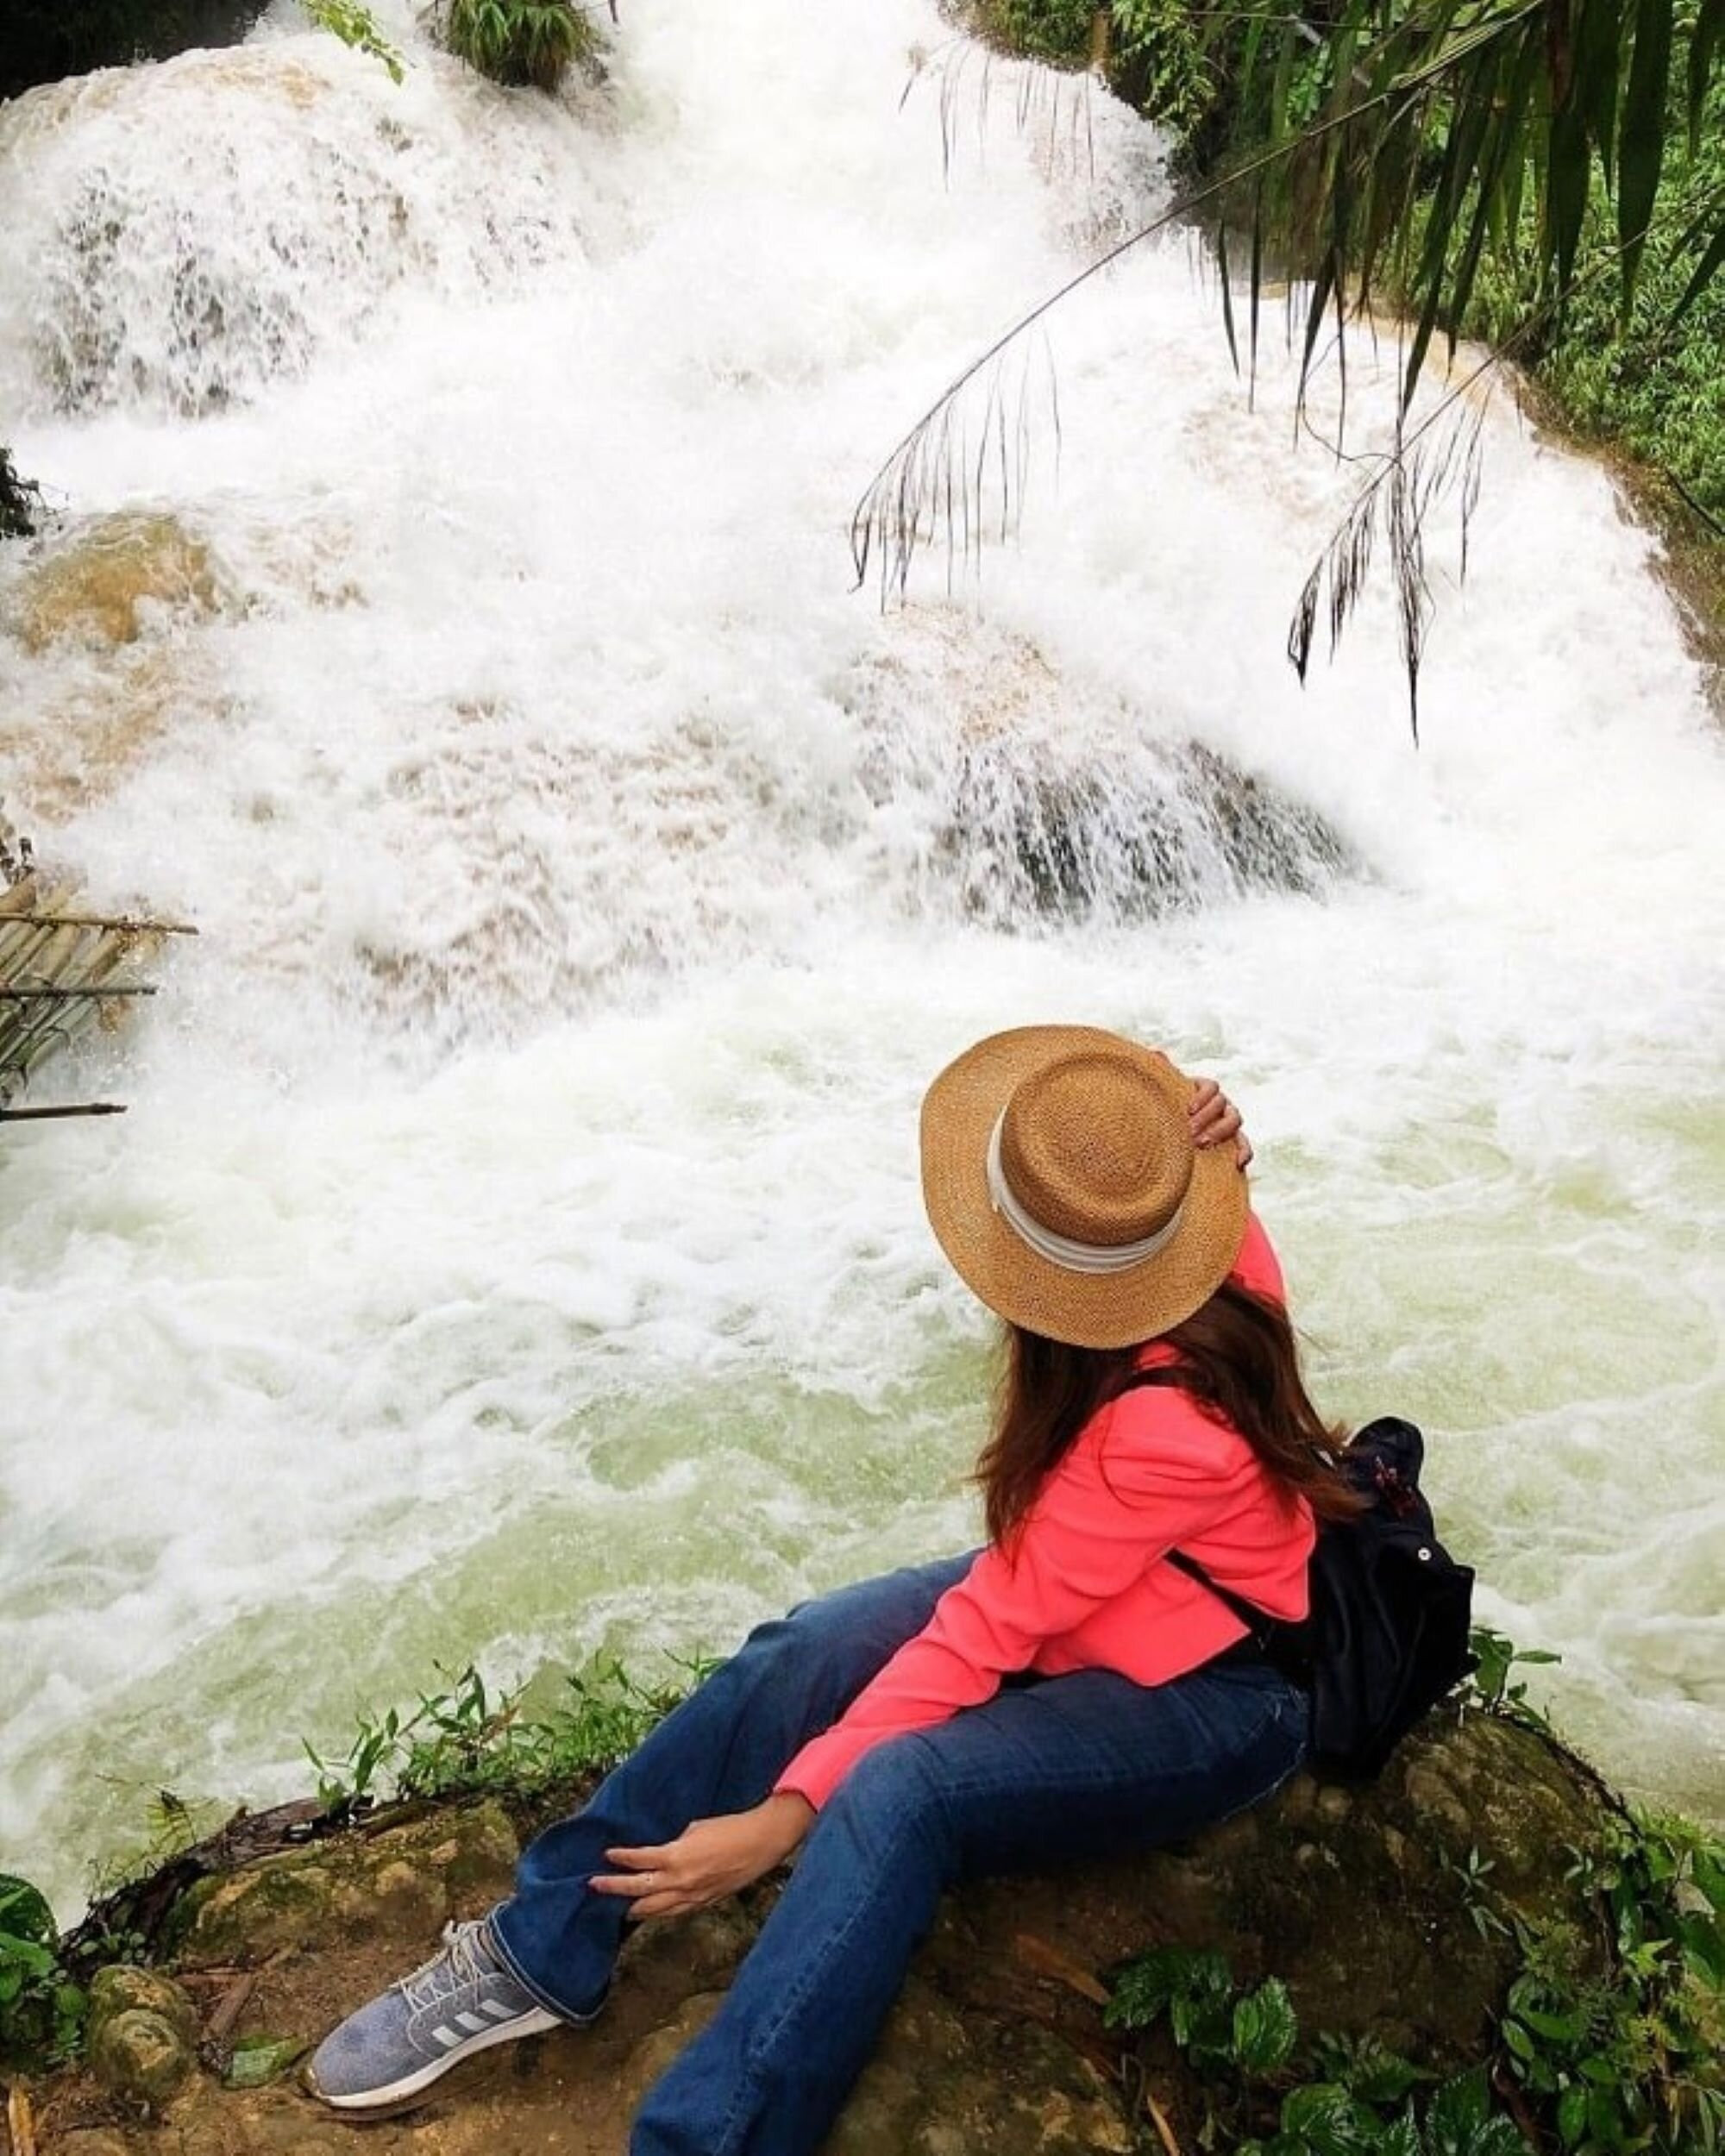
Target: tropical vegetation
1549,172
520,43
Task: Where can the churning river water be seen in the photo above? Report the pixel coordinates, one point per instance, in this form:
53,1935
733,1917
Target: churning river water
514,1246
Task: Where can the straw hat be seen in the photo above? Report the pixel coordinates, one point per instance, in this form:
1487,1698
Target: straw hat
1060,1176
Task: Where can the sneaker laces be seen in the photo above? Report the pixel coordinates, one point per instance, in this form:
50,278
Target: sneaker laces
456,1968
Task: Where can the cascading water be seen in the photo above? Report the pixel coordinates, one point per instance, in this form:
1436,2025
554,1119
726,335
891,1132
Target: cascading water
514,1246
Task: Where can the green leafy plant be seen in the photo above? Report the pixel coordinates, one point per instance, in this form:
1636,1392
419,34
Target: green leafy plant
520,43
356,27
469,1739
1496,1657
1251,2039
1629,2055
1329,2119
1252,2033
41,2008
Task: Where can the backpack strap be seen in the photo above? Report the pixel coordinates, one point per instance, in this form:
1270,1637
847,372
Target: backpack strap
1260,1623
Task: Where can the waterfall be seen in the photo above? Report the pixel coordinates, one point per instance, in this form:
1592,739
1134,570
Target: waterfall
513,1248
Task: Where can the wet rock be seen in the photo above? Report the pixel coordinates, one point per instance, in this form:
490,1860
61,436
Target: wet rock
654,2054
105,583
124,1990
141,2057
396,1888
1015,793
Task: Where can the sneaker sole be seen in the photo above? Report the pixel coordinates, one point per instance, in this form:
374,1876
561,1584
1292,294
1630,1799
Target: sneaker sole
534,2023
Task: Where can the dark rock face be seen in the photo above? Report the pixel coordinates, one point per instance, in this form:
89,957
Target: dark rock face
42,41
1362,1900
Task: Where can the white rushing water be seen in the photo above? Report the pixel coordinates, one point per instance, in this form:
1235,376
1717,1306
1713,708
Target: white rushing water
513,1248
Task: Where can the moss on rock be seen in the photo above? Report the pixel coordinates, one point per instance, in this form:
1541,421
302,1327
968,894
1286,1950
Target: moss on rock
398,1886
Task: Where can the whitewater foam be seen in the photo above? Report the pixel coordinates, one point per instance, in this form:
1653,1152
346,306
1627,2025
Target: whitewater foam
513,1247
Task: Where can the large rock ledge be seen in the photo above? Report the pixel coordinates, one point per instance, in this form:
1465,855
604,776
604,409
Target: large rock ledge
1362,1901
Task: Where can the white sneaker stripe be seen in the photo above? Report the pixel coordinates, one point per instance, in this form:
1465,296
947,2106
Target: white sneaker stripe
471,2022
497,2009
445,2037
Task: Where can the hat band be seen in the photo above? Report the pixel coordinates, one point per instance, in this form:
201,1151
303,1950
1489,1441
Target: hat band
1061,1250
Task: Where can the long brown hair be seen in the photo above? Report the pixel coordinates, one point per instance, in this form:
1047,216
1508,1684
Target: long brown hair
1237,1360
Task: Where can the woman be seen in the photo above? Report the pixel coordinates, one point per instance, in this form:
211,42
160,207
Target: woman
1096,1201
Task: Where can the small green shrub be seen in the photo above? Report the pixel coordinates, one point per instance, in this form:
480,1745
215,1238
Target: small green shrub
520,43
41,2009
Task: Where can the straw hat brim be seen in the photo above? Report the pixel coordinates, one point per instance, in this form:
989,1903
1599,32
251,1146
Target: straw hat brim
1111,1310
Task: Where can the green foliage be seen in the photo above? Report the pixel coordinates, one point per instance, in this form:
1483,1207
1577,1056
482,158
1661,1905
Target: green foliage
466,1740
1249,2040
520,43
1650,381
1055,30
1155,50
356,27
1252,2035
1613,2036
1631,2056
41,2009
21,501
1329,2119
1495,1658
1416,152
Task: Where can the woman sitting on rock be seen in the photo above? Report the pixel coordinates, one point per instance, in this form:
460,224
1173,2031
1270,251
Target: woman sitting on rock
1064,1693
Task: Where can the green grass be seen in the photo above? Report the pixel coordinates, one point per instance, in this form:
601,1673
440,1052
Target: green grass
468,1739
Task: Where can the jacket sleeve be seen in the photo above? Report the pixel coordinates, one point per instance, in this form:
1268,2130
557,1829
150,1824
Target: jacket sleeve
1110,1509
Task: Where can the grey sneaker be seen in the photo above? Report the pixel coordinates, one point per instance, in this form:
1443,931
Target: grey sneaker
462,2000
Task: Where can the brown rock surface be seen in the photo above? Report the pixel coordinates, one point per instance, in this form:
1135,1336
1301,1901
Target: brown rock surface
1360,1900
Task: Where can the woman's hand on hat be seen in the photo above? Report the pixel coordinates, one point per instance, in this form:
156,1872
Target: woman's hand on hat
708,1860
1216,1121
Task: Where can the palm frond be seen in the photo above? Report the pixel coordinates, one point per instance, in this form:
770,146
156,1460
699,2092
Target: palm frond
1402,150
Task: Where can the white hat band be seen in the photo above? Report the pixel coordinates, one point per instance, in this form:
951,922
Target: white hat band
1061,1250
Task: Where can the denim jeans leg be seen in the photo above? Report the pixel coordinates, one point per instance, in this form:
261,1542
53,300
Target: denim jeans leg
721,1751
1071,1767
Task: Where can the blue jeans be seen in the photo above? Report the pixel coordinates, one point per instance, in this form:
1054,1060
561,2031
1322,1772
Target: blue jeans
1067,1767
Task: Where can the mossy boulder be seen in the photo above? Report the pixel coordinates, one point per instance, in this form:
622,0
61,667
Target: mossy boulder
124,1990
141,2057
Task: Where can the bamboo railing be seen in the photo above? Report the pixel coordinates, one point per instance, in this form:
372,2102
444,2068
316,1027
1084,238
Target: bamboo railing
63,969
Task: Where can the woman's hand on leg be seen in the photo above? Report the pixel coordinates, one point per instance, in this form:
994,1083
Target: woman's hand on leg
709,1859
1216,1121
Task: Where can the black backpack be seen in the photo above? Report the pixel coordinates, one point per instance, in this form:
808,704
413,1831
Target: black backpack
1387,1636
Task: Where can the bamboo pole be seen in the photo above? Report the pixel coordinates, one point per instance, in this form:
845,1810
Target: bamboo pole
99,992
121,923
58,1115
62,972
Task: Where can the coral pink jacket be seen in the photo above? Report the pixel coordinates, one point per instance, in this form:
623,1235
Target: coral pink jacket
1084,1588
